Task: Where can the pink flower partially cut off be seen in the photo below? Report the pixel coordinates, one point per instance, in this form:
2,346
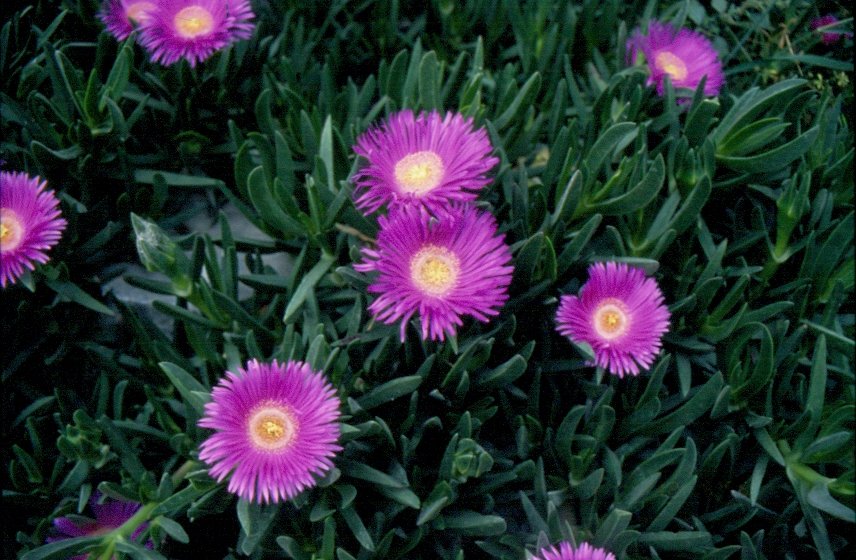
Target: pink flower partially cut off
828,37
30,224
194,29
566,551
121,17
109,515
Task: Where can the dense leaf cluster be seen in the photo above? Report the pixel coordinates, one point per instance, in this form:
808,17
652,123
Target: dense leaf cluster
229,184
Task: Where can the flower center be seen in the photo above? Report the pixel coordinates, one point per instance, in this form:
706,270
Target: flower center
11,230
272,427
138,12
419,172
193,21
434,270
671,65
611,319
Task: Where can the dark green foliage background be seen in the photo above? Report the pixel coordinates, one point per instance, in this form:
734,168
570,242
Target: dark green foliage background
737,444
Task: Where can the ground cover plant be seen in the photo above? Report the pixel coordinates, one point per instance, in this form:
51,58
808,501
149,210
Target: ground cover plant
441,280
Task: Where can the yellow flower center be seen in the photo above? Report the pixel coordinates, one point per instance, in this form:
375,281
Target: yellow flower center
611,319
434,270
419,172
272,427
138,12
11,230
671,65
193,21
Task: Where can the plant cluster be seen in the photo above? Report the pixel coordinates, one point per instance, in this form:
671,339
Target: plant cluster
442,280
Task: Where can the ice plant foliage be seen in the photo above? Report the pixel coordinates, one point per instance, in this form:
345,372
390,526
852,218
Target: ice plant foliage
620,313
566,551
442,266
194,29
30,224
122,16
108,516
426,159
828,37
684,55
275,427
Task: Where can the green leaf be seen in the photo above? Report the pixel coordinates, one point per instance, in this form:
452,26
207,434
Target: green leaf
618,135
255,521
616,522
147,176
751,137
521,102
357,528
429,81
681,541
187,385
60,550
307,285
700,403
820,498
137,551
817,382
267,206
471,523
774,159
172,528
637,197
390,391
68,291
503,374
441,496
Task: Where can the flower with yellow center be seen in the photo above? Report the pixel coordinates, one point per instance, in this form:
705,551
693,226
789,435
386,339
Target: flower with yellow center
11,230
193,21
272,426
275,430
671,65
611,319
434,270
620,314
419,172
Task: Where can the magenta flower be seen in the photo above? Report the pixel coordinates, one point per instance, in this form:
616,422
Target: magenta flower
122,16
443,267
30,224
684,55
109,515
828,37
194,29
565,551
426,159
275,427
620,313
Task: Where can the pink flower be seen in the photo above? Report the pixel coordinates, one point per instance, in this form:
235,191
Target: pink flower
194,29
30,224
828,37
684,55
109,515
275,427
122,16
443,267
620,313
426,159
565,551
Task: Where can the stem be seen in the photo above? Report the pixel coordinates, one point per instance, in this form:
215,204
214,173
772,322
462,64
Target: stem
178,475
